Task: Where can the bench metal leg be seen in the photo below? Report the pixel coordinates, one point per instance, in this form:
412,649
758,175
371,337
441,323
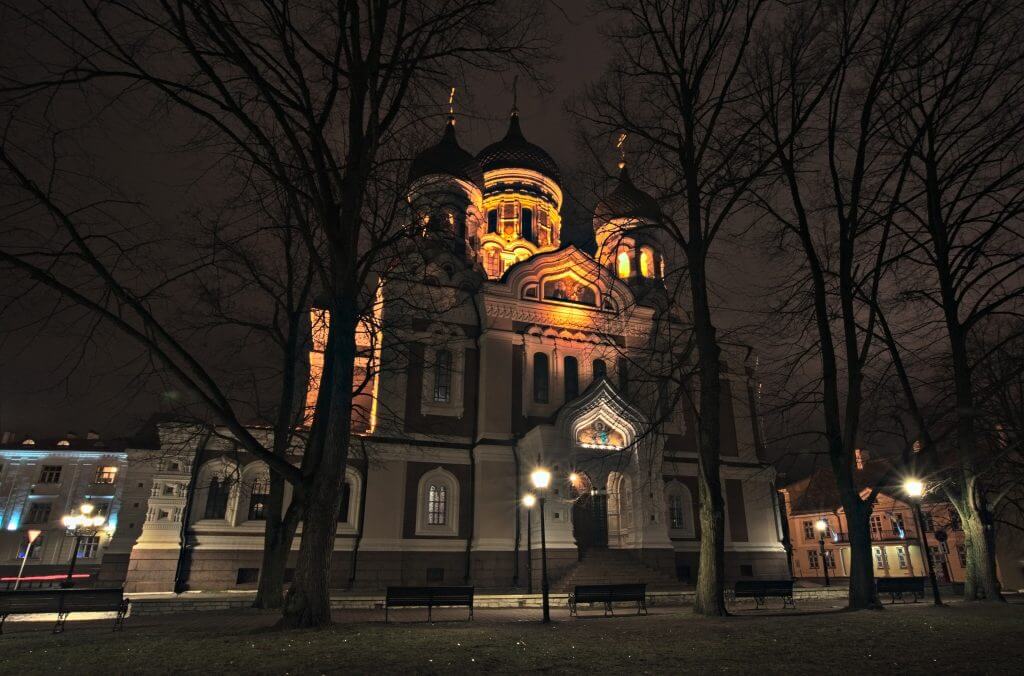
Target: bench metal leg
61,619
385,613
3,617
641,605
572,605
122,612
430,608
759,601
471,613
788,601
608,609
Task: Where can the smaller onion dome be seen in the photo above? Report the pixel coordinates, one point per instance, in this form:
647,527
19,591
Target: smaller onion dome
447,158
627,201
515,152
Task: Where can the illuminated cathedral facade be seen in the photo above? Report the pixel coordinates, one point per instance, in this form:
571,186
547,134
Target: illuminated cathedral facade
498,349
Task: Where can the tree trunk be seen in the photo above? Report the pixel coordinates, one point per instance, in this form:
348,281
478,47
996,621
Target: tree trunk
710,597
277,544
862,577
308,602
981,582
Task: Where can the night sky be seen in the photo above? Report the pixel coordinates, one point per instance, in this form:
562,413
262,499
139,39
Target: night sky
49,385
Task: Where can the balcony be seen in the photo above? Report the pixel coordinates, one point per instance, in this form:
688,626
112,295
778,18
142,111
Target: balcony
883,535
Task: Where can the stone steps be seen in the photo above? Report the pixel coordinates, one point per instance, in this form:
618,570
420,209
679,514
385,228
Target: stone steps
612,566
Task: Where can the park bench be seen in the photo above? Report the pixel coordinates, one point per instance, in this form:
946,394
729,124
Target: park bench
430,597
63,602
609,594
760,590
896,587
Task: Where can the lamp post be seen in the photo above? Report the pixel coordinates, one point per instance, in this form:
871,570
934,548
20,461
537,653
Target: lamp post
529,500
822,526
81,524
541,479
33,535
914,489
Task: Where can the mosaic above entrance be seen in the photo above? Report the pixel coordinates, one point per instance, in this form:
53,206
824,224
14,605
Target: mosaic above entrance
599,435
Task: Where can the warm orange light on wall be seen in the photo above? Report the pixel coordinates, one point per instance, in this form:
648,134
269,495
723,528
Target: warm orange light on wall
646,263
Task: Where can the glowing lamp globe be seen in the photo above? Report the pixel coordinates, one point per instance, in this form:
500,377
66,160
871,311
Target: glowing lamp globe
541,478
529,500
914,487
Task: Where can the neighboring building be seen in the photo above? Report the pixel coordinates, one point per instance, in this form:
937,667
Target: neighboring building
528,354
42,480
896,538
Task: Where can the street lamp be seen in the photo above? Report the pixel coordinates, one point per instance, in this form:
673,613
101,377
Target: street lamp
541,479
822,526
529,500
914,489
33,535
81,524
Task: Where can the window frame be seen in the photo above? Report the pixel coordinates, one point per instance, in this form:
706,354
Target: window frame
35,505
572,392
541,385
438,478
50,474
688,528
102,474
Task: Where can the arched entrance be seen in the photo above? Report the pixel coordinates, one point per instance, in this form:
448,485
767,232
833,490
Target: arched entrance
620,509
589,515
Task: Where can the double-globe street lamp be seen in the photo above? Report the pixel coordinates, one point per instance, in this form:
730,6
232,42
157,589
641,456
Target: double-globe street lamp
822,527
80,524
541,479
915,490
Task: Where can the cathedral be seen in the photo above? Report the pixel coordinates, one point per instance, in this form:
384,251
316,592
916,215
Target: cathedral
496,349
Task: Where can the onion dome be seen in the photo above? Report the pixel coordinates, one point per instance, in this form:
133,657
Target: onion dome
515,152
627,201
448,158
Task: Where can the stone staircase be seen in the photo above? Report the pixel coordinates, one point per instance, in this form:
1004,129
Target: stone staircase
613,566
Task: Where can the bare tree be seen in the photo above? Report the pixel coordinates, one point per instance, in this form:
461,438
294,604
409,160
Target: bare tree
314,96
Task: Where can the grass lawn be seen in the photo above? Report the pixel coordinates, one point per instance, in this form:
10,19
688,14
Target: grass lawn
907,639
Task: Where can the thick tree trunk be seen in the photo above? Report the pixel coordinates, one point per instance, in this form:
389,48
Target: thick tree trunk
710,596
862,577
981,581
277,544
308,602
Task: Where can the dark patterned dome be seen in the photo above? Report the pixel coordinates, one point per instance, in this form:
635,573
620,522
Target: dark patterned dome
627,201
515,152
447,158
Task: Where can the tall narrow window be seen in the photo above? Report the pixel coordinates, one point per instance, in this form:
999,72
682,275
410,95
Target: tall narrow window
50,474
623,376
36,547
258,500
622,264
492,263
88,546
492,220
217,499
105,475
443,375
600,369
876,526
812,559
543,229
437,505
346,499
509,220
527,224
572,378
647,262
540,378
676,511
39,512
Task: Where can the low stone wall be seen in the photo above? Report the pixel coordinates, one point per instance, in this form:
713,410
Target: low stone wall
183,603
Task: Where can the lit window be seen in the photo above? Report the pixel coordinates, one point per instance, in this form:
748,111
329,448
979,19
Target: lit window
542,228
901,555
88,546
572,378
50,474
622,264
258,500
540,378
647,262
39,512
106,475
876,526
443,375
879,558
437,505
217,499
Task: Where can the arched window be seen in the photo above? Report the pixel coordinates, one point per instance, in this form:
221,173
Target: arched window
679,505
600,369
540,378
346,501
437,509
622,264
258,497
351,491
572,378
492,220
647,262
217,498
527,224
443,375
